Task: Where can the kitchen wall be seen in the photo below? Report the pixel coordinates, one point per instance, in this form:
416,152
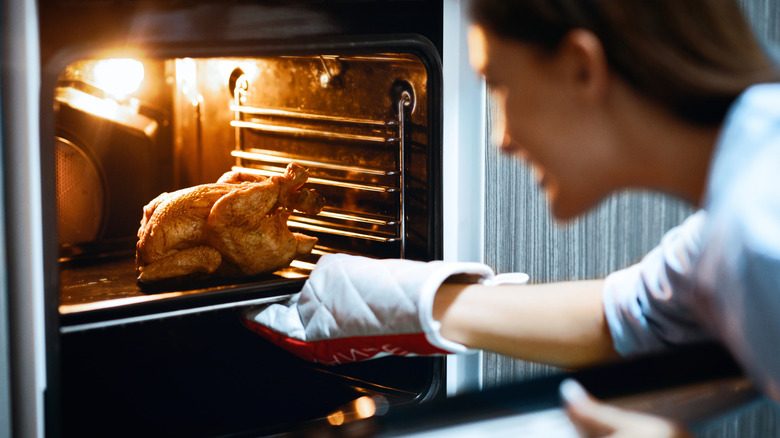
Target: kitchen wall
520,235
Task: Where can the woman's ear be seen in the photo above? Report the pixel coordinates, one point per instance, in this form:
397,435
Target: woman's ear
585,63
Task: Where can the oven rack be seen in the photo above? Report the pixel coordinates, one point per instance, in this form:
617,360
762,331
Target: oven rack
312,224
276,157
300,130
312,125
259,111
267,162
335,221
268,171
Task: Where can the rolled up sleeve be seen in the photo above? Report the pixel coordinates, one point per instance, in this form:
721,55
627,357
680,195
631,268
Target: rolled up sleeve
653,304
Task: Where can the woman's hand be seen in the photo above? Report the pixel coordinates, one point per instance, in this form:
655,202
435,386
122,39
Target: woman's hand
355,308
593,418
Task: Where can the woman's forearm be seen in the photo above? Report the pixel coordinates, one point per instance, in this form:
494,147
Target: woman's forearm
559,324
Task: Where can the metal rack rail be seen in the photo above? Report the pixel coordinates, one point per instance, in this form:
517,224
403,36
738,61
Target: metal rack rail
268,162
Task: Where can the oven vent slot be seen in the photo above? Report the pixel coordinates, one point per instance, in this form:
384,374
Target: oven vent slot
326,173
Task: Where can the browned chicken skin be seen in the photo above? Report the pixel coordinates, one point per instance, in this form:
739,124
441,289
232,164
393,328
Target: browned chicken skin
240,219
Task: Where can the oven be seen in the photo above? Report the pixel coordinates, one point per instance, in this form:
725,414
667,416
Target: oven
140,98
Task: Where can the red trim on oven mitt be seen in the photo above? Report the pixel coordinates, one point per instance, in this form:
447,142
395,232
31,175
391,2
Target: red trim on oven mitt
354,308
353,349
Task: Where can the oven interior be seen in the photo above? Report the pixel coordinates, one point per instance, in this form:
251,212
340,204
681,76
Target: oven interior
359,123
173,357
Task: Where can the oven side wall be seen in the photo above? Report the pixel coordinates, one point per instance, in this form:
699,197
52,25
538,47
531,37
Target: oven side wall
520,235
23,379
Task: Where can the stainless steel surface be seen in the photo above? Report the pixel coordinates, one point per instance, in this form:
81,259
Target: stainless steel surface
242,109
157,316
284,129
282,158
330,230
694,403
271,171
404,102
689,404
542,424
345,132
23,363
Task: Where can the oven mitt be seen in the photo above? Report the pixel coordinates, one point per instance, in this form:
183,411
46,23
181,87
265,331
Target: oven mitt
354,308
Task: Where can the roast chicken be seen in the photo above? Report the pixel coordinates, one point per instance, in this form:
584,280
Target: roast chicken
237,226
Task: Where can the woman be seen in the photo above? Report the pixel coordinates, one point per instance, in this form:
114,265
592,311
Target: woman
599,96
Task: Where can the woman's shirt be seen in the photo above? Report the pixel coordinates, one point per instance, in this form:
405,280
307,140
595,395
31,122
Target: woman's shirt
717,275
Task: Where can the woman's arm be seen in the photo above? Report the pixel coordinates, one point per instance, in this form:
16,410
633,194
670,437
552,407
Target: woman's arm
560,324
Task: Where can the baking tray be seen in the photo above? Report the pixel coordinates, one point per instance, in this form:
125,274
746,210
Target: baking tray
105,291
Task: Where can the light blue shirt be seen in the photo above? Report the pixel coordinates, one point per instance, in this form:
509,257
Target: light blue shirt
717,275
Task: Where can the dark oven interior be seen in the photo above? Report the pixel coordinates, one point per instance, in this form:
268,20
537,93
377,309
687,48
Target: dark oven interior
141,98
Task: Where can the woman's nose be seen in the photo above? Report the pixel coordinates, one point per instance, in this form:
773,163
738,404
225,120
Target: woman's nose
499,135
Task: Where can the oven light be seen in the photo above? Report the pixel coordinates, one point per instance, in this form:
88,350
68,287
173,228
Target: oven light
336,418
365,407
119,77
359,409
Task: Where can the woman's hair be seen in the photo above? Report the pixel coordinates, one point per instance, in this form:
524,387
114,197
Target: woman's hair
692,56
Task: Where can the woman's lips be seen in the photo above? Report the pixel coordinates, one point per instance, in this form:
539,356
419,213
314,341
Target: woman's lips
524,156
541,179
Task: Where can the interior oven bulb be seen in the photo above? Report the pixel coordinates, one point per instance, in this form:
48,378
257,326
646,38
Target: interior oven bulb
119,77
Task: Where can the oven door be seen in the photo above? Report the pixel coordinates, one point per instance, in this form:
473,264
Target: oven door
205,374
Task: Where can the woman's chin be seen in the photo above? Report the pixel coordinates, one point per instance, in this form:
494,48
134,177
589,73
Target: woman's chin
564,214
567,208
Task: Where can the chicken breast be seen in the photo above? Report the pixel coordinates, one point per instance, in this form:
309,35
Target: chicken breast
239,222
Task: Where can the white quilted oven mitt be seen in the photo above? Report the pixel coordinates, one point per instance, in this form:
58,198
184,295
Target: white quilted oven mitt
356,308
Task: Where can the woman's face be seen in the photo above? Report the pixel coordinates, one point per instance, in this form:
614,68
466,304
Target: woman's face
549,119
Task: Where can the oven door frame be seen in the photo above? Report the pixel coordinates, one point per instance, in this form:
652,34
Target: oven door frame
465,140
23,359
